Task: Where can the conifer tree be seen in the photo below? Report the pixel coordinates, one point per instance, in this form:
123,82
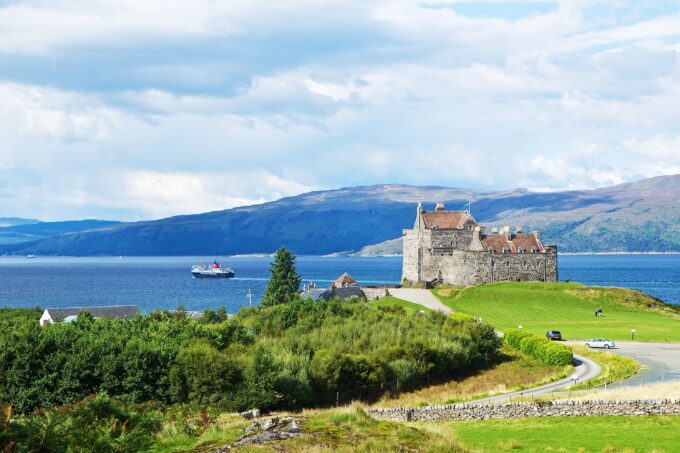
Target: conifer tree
284,281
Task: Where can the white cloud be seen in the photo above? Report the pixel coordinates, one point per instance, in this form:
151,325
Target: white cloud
54,114
133,110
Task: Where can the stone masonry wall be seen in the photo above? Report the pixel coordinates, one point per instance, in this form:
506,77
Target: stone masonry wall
527,409
432,254
472,268
411,241
375,292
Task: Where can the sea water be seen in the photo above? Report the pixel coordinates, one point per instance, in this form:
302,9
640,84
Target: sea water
165,282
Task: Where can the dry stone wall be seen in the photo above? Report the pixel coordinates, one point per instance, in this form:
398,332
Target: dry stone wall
529,409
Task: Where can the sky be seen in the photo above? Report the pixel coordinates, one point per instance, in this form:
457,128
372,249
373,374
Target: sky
129,110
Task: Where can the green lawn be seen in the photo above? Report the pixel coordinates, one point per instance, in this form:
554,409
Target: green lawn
569,308
390,301
570,434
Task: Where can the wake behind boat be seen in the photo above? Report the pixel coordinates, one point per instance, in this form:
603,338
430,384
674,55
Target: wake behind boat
212,271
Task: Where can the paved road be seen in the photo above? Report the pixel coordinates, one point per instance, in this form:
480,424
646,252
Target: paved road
584,369
420,296
661,361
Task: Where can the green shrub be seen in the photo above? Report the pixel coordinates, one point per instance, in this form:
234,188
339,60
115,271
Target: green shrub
96,424
286,356
514,336
546,351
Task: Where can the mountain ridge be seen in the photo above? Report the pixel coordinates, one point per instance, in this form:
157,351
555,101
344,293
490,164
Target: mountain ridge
639,216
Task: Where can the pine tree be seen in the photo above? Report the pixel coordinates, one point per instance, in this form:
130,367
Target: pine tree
284,282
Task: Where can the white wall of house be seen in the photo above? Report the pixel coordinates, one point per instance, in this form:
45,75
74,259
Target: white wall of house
46,319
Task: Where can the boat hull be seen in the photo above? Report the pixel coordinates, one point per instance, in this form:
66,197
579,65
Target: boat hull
213,274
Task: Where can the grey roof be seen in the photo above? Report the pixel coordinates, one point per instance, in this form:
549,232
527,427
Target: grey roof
190,314
114,311
316,294
348,292
341,293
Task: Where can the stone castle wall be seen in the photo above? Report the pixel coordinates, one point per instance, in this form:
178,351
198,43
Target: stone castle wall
529,409
455,257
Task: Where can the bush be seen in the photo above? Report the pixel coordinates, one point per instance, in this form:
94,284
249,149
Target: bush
286,356
96,424
545,350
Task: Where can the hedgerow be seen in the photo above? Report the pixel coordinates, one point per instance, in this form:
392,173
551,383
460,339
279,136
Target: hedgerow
546,351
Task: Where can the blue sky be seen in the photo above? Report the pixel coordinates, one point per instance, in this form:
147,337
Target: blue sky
132,110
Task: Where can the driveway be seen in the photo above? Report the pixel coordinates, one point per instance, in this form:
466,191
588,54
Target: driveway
422,297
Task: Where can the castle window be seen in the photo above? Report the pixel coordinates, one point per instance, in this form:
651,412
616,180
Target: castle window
506,250
533,249
491,250
520,250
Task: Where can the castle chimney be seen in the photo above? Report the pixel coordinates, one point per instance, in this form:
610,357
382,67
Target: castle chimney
420,223
519,229
494,230
476,243
439,207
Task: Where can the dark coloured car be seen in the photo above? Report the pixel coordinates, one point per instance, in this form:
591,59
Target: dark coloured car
554,335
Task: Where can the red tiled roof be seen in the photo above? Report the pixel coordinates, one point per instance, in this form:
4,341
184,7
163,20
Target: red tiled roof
446,219
345,278
514,244
527,241
497,242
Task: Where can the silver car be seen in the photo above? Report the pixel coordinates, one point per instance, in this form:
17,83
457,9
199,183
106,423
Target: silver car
600,343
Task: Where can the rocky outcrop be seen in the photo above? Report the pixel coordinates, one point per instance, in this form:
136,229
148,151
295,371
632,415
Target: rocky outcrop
269,430
529,409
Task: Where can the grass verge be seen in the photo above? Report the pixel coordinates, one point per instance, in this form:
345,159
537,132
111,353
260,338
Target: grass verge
615,367
567,434
659,391
391,301
513,371
569,308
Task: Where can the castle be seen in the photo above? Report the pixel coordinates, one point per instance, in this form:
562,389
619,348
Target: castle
449,247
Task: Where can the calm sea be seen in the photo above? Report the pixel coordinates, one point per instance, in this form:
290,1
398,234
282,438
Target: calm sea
165,282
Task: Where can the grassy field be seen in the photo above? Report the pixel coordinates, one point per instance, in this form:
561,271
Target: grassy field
568,434
346,429
390,301
350,429
569,308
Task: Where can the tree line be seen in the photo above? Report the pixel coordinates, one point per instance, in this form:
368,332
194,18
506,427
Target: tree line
287,353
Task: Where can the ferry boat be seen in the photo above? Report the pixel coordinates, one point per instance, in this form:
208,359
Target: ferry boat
213,271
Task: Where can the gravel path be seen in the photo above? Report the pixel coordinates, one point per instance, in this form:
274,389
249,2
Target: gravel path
422,297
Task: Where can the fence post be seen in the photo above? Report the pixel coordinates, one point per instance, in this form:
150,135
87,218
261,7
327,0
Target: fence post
337,399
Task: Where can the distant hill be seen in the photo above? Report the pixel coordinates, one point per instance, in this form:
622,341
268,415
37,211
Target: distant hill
30,231
14,221
640,216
